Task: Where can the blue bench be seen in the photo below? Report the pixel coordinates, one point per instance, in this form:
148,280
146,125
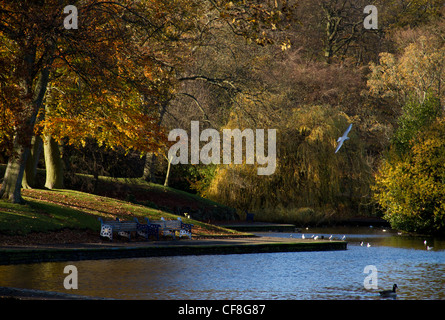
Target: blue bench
147,230
151,228
122,228
170,227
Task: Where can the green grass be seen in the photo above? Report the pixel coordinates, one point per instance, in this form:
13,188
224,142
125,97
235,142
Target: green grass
38,216
137,184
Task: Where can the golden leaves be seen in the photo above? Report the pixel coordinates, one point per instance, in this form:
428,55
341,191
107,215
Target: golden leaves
410,188
419,69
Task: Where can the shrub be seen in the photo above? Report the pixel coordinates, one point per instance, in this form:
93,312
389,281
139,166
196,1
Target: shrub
410,188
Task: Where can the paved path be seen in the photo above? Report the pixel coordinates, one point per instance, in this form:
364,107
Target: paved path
117,250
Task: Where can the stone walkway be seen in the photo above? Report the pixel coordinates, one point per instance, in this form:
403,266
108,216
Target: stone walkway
13,254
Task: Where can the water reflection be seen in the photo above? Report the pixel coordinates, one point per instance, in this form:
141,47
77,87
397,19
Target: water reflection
404,260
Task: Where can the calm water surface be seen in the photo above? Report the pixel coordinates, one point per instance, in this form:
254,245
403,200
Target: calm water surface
419,273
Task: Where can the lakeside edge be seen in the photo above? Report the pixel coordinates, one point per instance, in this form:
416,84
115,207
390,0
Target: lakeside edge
27,255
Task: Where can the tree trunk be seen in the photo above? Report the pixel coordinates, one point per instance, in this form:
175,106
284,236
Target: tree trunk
149,167
53,164
150,157
167,176
12,182
30,174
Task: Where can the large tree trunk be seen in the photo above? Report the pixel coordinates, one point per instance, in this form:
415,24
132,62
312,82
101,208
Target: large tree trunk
30,175
33,93
12,182
150,157
53,164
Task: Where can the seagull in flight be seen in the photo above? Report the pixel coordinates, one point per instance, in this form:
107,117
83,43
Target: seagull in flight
343,138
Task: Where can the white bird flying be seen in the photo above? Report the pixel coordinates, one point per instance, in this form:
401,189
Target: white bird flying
343,138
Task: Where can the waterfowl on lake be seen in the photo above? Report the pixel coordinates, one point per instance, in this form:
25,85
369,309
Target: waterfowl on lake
368,245
344,237
429,248
316,237
330,238
302,236
361,244
389,293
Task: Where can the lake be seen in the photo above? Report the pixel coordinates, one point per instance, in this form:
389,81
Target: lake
404,260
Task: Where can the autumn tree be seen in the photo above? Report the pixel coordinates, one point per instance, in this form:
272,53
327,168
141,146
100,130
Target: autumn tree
227,41
308,173
412,81
418,70
410,189
408,186
103,67
409,13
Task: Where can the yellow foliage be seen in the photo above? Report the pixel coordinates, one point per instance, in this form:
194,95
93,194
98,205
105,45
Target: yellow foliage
410,189
308,175
419,69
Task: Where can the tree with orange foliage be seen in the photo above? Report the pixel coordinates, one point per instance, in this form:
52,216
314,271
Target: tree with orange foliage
98,74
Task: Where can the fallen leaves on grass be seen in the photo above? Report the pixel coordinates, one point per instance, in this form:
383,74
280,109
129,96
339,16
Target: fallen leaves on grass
65,236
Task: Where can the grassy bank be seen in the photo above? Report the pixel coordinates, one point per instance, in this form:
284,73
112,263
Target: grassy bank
153,195
56,210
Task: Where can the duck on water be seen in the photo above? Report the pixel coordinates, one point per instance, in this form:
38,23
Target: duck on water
389,293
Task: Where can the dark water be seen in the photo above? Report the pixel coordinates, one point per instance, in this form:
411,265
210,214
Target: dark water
419,273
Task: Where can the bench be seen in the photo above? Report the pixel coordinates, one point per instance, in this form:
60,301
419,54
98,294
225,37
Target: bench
122,228
151,228
147,230
170,227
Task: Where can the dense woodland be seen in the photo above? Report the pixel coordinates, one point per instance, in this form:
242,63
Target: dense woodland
101,99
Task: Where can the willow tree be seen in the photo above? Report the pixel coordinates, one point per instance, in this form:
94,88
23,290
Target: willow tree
308,175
